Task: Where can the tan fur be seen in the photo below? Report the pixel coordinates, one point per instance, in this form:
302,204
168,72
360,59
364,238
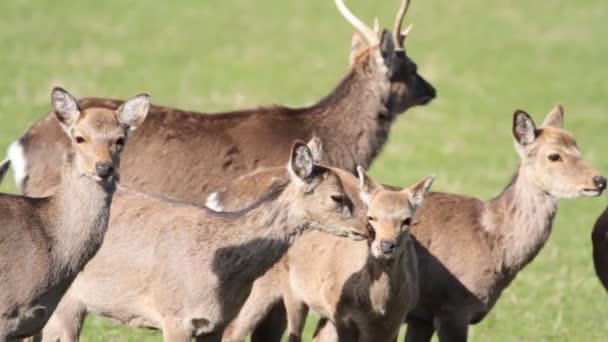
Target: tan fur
45,242
469,250
365,292
186,270
202,152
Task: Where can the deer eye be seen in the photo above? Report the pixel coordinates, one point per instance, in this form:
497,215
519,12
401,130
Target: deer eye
338,199
79,140
120,141
407,222
554,157
371,218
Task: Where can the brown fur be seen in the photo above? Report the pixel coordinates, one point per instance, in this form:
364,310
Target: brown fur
364,292
186,270
470,250
45,242
202,152
599,237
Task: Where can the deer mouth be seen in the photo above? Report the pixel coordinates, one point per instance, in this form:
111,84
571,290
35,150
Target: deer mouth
592,192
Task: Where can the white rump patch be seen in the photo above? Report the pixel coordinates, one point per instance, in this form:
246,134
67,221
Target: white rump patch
213,202
17,157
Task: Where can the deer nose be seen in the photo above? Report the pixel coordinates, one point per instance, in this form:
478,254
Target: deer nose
104,169
600,182
387,247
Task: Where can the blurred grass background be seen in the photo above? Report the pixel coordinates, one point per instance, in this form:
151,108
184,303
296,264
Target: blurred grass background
485,59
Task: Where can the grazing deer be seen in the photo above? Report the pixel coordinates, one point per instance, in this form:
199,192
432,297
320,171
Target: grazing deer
469,250
202,152
599,237
45,242
186,269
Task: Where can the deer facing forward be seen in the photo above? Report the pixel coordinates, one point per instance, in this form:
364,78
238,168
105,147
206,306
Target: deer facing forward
45,242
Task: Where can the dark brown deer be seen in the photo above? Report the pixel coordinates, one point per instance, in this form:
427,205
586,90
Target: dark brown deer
45,242
186,154
187,270
599,238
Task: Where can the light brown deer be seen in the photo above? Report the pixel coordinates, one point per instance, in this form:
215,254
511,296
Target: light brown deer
363,289
599,238
202,152
45,242
469,250
187,270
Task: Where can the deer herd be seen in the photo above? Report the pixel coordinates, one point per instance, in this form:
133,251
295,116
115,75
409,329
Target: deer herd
228,225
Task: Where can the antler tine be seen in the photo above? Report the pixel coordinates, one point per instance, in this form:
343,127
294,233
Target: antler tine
368,34
397,34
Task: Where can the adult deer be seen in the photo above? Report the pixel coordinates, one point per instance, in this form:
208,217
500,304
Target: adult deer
45,242
202,152
186,269
469,250
364,288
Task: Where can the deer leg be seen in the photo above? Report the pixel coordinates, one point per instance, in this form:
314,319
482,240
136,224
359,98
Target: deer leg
66,322
419,330
325,331
174,331
452,329
296,316
271,328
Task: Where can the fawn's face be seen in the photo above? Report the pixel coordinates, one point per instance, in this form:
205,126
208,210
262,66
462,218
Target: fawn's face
321,196
551,158
390,213
98,135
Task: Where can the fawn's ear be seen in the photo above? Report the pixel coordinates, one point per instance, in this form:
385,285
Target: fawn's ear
301,163
315,144
555,118
524,130
65,107
419,190
366,185
133,112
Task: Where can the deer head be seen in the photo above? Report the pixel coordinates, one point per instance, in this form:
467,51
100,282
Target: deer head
98,135
551,159
320,196
390,213
407,87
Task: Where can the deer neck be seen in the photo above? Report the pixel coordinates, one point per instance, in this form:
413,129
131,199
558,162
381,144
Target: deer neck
258,239
355,121
78,213
520,219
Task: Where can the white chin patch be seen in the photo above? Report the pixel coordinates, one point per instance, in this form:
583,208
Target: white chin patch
591,193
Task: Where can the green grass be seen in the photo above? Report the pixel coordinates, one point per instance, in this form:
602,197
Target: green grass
485,58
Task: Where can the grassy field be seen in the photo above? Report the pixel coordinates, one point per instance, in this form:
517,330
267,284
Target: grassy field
485,59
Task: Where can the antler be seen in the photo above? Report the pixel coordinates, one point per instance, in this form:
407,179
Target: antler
398,35
367,33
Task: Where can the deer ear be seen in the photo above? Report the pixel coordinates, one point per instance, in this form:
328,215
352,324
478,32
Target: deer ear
420,190
301,163
65,107
555,118
387,47
366,185
524,130
133,112
315,144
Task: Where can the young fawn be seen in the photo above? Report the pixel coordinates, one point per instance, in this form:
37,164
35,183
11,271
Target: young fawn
186,269
364,290
469,250
202,152
45,242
